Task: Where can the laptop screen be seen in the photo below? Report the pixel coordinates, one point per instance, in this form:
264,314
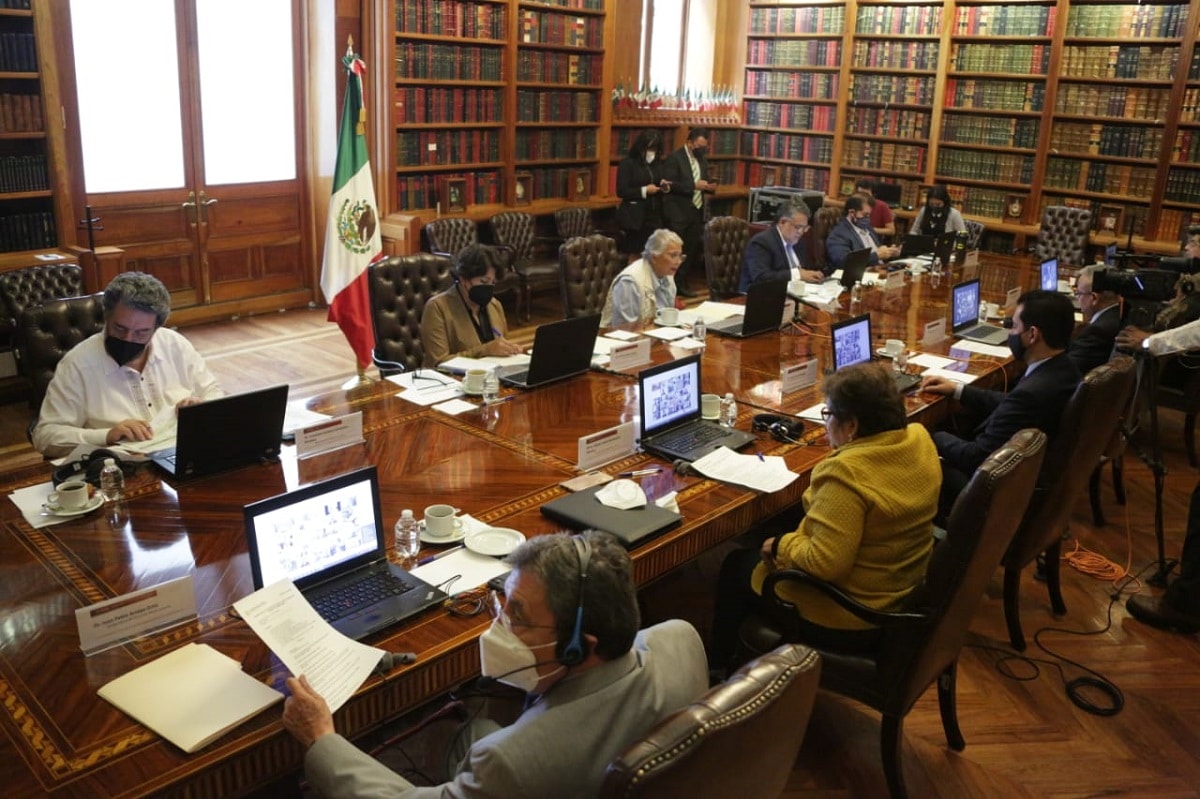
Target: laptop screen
669,394
1050,274
965,304
303,534
852,341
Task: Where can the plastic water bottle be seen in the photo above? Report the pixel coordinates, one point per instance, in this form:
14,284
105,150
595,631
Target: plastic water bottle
699,329
856,295
112,481
935,272
983,312
491,387
729,411
408,535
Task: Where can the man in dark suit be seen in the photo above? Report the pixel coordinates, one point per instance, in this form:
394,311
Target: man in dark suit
1042,325
854,233
767,255
686,171
1101,310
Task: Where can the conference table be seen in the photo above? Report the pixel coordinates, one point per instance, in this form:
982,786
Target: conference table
500,464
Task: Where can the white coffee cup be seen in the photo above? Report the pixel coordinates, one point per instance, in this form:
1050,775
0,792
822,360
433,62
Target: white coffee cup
667,316
70,495
440,521
710,406
893,346
473,380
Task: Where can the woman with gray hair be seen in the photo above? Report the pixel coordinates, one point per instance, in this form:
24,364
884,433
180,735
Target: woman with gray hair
645,285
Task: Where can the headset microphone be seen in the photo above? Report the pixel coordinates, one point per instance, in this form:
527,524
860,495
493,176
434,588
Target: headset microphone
576,649
489,681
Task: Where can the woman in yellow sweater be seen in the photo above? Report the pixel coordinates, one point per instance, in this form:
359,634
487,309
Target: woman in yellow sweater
868,521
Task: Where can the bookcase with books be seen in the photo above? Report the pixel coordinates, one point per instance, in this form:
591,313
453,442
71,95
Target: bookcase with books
1180,206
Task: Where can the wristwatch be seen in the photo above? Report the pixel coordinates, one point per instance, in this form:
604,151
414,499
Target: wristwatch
1146,343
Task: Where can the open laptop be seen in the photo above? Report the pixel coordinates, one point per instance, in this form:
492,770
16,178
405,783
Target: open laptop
764,311
964,316
560,350
852,345
1050,281
853,268
915,244
328,539
669,399
225,433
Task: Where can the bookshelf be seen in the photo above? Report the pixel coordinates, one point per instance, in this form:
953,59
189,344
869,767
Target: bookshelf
1180,206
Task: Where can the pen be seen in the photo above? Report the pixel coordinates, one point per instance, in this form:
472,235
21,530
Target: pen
501,399
432,558
640,472
760,456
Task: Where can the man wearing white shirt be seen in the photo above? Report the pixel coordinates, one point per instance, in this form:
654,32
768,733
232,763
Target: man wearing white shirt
775,252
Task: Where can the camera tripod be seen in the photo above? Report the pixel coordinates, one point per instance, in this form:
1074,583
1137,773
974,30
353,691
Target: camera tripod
1146,390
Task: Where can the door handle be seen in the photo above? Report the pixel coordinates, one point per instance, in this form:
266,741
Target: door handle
205,204
190,208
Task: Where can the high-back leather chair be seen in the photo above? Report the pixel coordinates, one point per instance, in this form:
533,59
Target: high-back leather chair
1084,432
45,332
399,287
739,739
451,235
725,240
515,230
1064,235
589,265
823,221
573,221
33,285
974,233
919,644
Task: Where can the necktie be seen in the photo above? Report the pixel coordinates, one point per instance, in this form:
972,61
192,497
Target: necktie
793,261
697,198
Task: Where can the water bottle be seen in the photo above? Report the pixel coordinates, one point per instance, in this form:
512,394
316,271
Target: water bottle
491,387
699,329
112,481
935,272
729,411
982,312
408,535
856,295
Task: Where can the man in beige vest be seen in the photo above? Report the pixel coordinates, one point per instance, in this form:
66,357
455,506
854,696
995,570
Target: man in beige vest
645,285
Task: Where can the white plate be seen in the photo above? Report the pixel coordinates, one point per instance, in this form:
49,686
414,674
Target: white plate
494,541
453,538
93,503
882,353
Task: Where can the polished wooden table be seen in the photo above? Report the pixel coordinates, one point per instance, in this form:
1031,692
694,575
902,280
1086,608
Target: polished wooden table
501,464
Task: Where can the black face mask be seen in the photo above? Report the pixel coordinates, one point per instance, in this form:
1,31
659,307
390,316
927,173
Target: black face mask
1016,346
122,351
481,294
699,152
937,213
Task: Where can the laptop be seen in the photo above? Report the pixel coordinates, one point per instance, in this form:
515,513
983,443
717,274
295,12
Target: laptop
852,345
854,267
328,539
669,400
888,193
915,244
225,433
1050,281
560,350
582,511
964,316
764,311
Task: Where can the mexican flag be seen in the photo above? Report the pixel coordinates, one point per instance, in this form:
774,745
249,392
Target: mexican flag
352,240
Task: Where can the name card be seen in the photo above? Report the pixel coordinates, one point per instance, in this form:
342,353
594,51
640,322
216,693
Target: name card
597,449
114,621
336,433
797,376
1010,300
895,280
626,356
935,332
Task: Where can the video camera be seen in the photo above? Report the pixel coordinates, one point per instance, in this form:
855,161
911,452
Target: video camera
1154,285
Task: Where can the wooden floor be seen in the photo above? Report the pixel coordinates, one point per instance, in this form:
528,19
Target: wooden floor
1024,736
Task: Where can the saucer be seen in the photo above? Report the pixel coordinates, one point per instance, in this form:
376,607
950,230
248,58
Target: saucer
471,393
453,538
494,541
94,502
882,353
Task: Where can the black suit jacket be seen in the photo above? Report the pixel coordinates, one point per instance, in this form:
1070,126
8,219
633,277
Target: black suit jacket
842,240
1037,400
637,212
764,259
1094,344
678,210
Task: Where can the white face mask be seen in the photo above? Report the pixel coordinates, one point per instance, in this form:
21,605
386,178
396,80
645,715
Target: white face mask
650,156
506,658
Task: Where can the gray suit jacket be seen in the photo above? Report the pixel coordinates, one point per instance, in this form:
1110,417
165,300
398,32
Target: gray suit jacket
560,746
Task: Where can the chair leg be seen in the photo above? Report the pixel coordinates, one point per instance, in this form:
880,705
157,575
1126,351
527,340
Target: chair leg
1118,477
1189,438
1053,584
1094,495
948,705
1012,604
891,737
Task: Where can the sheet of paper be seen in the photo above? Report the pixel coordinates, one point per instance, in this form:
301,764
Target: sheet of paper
461,365
813,414
456,406
334,664
620,335
30,499
603,346
667,333
930,361
426,392
762,473
711,312
461,570
950,374
995,351
424,380
165,426
297,416
688,343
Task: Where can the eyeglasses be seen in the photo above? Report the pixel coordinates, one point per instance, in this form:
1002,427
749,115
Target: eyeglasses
1079,294
827,412
676,256
496,607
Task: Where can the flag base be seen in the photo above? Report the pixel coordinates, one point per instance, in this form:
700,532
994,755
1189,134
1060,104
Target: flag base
360,380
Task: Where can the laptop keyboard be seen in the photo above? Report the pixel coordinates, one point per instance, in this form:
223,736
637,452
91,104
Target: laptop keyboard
517,377
980,330
372,588
691,437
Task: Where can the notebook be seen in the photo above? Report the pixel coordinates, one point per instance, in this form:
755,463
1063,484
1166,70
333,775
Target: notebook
225,433
764,311
964,316
852,345
582,511
669,398
560,350
328,539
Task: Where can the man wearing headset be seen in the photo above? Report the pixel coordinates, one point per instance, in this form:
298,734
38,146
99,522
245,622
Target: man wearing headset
567,634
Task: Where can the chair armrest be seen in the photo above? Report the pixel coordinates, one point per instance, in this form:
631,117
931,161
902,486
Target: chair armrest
878,618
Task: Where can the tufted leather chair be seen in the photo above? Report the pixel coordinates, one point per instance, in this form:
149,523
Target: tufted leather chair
589,265
1064,235
573,221
919,643
33,285
399,287
824,221
451,235
1088,423
725,240
45,332
974,233
739,739
515,230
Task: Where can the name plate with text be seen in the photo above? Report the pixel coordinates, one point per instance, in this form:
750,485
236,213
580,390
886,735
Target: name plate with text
894,282
597,449
114,621
336,433
797,376
626,356
935,332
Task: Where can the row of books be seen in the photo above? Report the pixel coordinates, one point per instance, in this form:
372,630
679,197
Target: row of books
18,52
545,145
901,123
978,201
461,18
793,53
791,115
417,105
792,85
920,20
990,131
421,191
999,95
539,66
823,19
448,61
584,5
1015,59
436,147
1189,109
1120,141
1183,185
1173,223
799,177
21,113
556,106
17,4
1099,177
1187,146
787,147
551,182
21,173
892,89
623,138
1194,70
538,27
723,141
1133,102
884,156
1128,22
895,55
973,165
35,231
723,171
1118,61
1005,20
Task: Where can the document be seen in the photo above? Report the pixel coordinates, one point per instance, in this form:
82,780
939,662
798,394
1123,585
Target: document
978,347
711,312
427,388
760,472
